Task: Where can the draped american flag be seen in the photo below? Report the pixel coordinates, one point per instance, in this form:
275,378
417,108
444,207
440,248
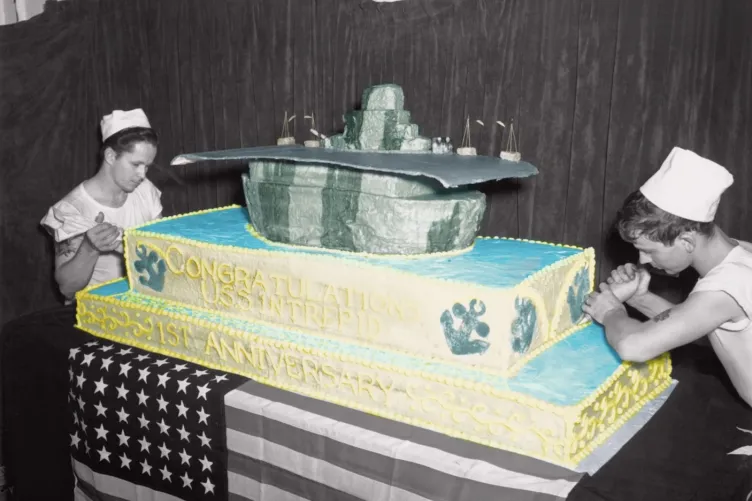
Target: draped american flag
146,426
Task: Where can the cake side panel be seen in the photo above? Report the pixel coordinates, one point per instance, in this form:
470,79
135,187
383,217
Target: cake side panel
616,402
454,407
456,322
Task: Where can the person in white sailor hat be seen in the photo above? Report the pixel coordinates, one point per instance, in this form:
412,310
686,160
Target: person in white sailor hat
87,224
670,221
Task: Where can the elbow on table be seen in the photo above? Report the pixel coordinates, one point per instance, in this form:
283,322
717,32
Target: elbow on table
630,349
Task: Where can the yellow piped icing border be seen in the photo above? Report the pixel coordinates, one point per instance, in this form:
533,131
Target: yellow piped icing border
658,369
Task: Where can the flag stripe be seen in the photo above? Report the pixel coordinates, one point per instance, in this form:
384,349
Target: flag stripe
503,459
109,488
255,491
314,469
268,475
397,463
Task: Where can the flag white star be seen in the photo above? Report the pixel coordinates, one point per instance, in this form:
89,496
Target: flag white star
91,343
125,462
123,438
180,367
74,440
208,486
182,409
163,428
125,351
184,433
143,421
145,444
202,416
71,374
73,352
71,395
104,455
163,378
106,363
75,418
166,474
80,380
186,480
162,404
83,426
142,397
143,374
101,432
202,390
122,415
145,467
142,357
204,439
164,450
100,386
220,378
106,348
101,409
160,362
88,449
122,391
205,463
183,386
80,403
124,368
185,458
200,373
88,359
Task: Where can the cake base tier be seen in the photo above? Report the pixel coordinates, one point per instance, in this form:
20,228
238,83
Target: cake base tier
559,407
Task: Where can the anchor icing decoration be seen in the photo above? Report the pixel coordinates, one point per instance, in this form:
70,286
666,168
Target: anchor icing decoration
153,266
458,338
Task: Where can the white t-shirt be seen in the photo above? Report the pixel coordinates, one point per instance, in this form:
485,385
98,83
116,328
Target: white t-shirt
732,341
141,206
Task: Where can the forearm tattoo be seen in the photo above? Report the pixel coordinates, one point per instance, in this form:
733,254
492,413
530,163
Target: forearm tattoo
66,248
662,316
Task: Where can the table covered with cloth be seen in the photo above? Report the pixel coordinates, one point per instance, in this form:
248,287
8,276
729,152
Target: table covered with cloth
136,425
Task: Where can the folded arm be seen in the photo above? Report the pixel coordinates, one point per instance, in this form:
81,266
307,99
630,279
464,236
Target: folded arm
699,315
650,304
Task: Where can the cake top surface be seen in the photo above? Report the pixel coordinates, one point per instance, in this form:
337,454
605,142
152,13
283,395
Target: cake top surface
450,170
564,375
491,262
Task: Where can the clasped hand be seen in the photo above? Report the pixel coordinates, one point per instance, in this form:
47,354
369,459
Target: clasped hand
104,237
624,283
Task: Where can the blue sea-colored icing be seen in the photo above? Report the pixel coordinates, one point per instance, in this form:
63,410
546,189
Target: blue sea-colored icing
492,262
563,375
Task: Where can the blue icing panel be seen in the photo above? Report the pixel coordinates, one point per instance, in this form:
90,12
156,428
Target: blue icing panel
563,375
111,289
492,262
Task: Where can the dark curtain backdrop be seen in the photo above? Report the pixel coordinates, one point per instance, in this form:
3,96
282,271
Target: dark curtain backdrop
600,91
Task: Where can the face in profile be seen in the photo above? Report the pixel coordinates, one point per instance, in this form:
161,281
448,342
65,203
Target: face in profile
130,167
672,259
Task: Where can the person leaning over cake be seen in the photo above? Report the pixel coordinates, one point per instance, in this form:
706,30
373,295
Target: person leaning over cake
88,223
669,220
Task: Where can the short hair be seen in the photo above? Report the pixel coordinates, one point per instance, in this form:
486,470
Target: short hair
124,140
639,217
